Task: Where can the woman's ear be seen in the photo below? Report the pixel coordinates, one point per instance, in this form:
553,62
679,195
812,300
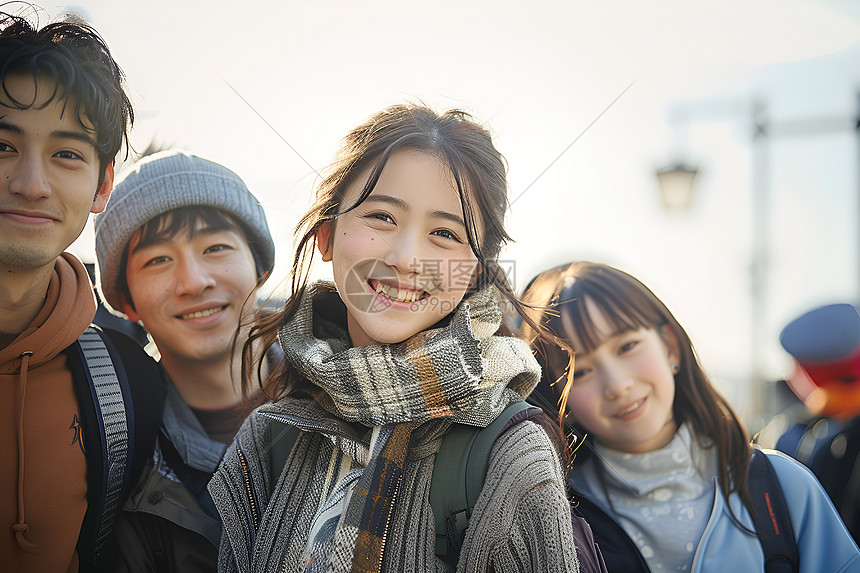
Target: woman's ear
324,235
672,344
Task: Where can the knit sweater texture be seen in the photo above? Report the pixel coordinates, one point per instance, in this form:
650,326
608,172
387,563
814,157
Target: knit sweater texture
522,518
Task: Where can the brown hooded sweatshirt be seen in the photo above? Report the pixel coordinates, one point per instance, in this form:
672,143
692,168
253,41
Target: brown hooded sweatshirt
43,474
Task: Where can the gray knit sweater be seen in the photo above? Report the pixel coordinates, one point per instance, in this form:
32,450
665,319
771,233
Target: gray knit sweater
458,371
521,520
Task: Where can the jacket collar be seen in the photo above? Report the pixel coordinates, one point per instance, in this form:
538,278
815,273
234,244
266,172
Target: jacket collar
187,435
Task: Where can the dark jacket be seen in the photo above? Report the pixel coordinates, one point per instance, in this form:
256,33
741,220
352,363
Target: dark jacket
831,449
169,522
618,550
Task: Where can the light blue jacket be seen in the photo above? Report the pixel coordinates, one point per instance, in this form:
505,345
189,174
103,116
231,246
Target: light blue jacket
823,543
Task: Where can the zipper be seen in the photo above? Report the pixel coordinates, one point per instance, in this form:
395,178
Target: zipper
711,519
246,474
388,521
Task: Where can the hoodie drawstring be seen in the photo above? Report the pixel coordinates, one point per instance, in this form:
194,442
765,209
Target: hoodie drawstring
20,529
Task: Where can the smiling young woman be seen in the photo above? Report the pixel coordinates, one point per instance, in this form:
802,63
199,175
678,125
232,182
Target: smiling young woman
379,365
662,476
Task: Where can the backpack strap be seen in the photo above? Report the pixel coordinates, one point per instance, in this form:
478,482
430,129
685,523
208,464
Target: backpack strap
282,438
770,516
103,379
458,478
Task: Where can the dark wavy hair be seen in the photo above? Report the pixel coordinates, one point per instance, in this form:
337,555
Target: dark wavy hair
559,295
82,72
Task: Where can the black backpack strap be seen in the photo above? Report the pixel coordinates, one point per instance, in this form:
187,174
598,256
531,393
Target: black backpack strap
108,389
458,478
147,385
617,551
770,516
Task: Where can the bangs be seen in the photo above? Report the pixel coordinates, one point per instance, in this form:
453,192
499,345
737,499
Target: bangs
190,220
624,310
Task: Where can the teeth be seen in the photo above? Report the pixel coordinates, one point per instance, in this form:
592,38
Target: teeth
202,313
630,409
396,294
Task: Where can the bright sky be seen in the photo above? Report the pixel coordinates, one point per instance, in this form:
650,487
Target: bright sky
269,88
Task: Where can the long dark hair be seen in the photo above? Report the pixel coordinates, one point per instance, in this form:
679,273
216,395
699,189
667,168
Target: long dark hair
559,296
479,173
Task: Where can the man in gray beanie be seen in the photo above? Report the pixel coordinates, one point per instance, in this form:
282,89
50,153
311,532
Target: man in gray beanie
182,248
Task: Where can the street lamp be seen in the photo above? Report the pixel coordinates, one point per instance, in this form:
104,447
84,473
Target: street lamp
676,186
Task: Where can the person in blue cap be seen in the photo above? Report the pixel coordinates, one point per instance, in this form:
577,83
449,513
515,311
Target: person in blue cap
825,343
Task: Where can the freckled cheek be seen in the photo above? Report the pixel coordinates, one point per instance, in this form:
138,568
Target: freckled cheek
145,293
160,292
361,247
352,235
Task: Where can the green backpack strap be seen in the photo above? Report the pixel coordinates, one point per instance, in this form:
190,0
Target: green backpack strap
282,438
458,478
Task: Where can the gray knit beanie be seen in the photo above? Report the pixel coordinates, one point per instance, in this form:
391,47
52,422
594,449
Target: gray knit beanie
161,183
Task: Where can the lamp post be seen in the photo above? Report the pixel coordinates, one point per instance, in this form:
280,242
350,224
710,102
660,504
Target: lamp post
677,184
760,260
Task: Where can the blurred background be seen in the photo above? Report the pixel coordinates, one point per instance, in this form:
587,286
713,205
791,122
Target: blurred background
757,102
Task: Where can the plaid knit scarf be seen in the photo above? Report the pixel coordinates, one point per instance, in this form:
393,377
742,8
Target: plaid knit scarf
460,371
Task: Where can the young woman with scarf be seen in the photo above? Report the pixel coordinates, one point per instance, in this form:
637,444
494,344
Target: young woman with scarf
379,364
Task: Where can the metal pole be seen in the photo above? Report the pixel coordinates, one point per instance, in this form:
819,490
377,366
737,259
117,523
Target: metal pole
760,249
857,175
